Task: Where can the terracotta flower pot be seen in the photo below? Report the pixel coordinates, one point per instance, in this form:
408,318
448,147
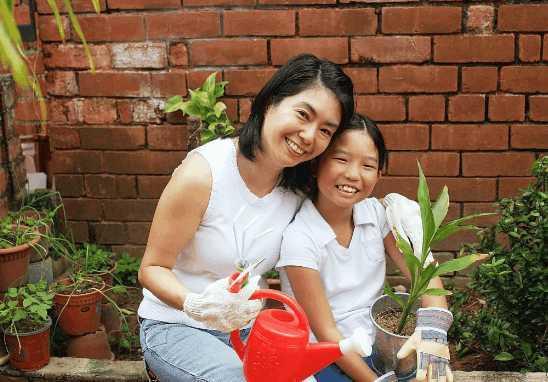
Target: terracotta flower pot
79,313
92,345
14,263
29,351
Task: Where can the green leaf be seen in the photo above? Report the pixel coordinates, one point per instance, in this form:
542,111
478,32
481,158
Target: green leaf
504,356
388,291
206,136
428,225
173,104
96,6
10,56
457,264
437,292
209,84
411,261
12,292
20,314
440,207
219,108
76,26
58,21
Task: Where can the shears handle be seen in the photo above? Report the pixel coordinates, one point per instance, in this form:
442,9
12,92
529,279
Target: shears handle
235,287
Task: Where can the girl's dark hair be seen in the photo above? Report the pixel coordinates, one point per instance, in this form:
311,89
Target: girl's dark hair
298,74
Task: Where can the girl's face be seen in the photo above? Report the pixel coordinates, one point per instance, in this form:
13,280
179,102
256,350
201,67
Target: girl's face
300,127
349,170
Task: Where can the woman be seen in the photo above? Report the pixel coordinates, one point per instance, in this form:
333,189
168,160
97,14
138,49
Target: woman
225,207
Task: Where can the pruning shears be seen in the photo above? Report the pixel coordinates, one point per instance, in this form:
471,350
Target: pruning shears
239,279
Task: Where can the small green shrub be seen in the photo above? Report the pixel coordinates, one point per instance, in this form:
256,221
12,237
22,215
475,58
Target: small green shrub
126,270
512,324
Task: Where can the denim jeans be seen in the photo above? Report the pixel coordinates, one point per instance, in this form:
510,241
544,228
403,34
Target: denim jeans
333,373
177,352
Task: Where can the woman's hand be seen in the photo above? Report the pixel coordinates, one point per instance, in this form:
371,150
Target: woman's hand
222,310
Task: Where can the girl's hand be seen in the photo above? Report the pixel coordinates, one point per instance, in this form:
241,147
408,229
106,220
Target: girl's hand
388,377
222,310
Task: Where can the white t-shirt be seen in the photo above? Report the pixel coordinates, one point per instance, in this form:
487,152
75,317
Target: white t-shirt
235,222
353,277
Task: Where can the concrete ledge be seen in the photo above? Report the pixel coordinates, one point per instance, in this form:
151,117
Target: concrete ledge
84,369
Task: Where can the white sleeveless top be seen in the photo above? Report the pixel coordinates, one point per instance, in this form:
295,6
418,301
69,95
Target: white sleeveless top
237,225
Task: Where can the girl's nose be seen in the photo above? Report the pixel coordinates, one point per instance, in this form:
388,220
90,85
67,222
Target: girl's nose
352,171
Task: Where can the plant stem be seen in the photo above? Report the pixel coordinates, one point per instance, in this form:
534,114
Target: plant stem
405,313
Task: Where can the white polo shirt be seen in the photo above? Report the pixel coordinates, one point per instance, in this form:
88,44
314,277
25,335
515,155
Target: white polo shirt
353,277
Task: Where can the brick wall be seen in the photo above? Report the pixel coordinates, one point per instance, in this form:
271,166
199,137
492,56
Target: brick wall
460,85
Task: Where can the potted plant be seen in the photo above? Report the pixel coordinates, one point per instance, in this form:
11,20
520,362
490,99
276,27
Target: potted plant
93,260
398,308
208,115
77,303
16,245
26,324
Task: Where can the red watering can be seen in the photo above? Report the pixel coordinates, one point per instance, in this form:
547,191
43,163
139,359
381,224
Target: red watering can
277,349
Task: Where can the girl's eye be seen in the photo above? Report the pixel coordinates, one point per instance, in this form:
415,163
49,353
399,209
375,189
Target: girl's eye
339,159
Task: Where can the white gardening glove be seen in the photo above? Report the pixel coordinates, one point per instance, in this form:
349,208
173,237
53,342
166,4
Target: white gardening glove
404,216
429,341
222,310
388,377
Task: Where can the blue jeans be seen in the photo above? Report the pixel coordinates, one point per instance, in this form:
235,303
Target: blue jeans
333,373
177,352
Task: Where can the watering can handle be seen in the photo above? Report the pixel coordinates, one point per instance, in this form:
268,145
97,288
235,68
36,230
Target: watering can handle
278,296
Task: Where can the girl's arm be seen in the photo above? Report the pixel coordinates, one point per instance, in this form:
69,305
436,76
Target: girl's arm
396,256
308,290
177,217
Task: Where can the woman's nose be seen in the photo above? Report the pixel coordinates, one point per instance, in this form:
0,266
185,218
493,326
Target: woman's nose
307,133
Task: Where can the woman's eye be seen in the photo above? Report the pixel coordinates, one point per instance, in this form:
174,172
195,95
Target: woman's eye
302,114
326,132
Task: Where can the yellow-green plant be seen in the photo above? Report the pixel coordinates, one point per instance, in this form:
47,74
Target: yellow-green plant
12,54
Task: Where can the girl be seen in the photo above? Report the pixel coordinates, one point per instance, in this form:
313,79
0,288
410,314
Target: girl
226,206
333,254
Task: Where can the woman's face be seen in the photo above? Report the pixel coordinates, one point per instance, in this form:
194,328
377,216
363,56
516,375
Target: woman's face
300,127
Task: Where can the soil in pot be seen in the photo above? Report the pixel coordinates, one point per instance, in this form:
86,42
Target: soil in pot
29,347
390,319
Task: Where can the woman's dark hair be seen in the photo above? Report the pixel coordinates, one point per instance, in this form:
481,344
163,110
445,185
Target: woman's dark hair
357,122
298,74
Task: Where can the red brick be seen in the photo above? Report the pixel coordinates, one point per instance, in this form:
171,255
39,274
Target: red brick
524,79
57,110
474,48
231,108
529,137
115,84
99,111
259,23
196,78
21,13
139,55
142,162
364,79
151,186
167,137
144,4
455,242
427,108
334,49
79,230
125,111
432,163
467,108
112,138
69,185
246,81
480,18
511,187
479,79
390,49
228,52
538,108
545,48
418,79
71,56
381,107
469,137
244,107
183,24
406,186
477,208
497,164
506,107
27,109
100,186
61,83
146,111
126,186
168,84
137,233
48,31
405,137
129,210
337,22
79,6
178,55
523,18
113,27
136,251
82,209
109,233
63,137
421,19
203,3
529,48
